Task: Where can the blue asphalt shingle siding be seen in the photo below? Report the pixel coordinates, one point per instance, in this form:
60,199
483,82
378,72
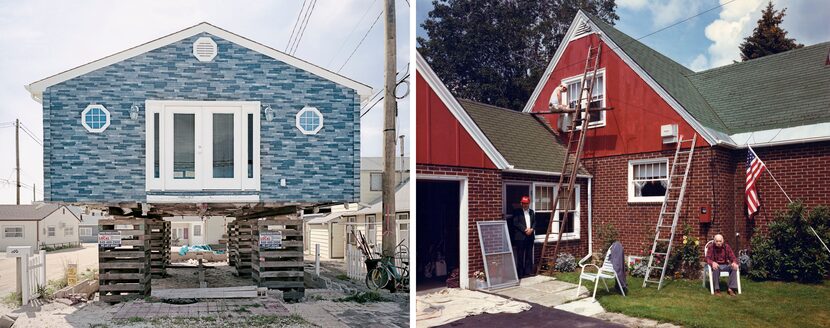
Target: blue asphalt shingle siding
80,166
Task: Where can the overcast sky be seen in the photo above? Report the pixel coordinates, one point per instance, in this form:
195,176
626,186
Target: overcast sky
41,38
711,39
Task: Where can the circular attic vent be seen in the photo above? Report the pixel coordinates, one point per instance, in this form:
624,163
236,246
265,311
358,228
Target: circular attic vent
205,49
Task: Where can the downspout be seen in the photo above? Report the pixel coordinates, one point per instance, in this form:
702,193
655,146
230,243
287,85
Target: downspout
590,220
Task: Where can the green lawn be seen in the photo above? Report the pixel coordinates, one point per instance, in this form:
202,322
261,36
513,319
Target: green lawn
686,302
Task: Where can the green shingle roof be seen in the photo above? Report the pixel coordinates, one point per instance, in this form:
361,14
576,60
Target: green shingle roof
524,141
777,91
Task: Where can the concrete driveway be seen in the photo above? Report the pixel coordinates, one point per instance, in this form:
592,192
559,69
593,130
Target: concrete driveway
85,257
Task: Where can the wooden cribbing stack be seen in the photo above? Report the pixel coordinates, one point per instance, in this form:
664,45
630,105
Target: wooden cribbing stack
123,258
231,242
278,255
243,239
159,231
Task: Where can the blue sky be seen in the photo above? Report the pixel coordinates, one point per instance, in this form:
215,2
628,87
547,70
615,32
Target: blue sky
709,40
40,38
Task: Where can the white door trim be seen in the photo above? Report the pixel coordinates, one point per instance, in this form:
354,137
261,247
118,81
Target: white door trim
463,224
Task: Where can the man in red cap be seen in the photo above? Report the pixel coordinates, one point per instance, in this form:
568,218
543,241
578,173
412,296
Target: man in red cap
522,236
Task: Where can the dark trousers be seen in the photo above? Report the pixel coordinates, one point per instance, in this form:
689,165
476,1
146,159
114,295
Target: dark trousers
523,254
733,275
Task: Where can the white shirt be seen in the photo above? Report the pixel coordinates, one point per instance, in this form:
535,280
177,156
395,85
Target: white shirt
527,218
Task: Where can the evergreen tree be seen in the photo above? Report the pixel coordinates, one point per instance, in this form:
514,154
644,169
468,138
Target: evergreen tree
768,38
495,51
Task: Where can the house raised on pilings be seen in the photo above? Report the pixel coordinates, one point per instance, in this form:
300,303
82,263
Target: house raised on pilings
199,122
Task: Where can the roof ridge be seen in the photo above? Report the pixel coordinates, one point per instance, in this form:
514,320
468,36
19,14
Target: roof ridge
764,58
492,106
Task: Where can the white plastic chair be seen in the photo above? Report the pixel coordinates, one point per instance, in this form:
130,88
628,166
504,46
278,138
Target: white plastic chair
707,273
604,272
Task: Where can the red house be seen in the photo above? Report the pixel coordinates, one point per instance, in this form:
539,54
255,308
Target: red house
779,105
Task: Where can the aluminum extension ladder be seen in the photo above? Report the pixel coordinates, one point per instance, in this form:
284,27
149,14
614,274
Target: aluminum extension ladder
672,204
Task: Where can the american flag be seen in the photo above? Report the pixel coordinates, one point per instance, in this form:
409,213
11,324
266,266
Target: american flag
754,168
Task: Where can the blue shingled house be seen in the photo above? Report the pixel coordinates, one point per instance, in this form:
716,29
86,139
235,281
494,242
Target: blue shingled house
200,116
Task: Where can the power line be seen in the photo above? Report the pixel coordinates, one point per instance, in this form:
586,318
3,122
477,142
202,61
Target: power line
295,26
304,25
31,134
619,45
369,108
352,31
361,41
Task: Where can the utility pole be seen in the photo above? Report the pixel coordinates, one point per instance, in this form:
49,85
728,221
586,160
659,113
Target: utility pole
390,110
17,155
403,168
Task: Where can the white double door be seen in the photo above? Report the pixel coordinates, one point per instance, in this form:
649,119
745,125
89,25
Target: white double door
203,148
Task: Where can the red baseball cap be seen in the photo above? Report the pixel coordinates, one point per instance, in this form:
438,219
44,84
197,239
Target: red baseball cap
525,200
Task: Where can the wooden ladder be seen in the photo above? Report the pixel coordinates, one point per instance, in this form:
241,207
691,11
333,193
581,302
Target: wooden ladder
672,204
576,141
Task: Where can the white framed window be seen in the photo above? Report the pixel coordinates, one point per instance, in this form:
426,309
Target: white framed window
574,85
371,230
15,231
309,120
205,49
197,230
95,118
50,231
647,180
542,205
85,232
376,181
198,145
350,230
69,231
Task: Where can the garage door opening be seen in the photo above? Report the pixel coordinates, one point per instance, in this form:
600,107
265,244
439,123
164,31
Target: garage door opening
438,209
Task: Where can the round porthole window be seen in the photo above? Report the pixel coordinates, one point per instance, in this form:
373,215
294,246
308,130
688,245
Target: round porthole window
95,118
309,120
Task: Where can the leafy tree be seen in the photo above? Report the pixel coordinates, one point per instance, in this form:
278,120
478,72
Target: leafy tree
495,51
768,38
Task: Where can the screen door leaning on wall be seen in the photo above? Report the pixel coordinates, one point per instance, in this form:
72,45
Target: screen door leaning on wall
499,266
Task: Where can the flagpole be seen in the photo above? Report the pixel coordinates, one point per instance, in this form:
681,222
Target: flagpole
785,194
770,173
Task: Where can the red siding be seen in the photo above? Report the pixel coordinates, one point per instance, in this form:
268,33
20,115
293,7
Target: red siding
633,126
441,139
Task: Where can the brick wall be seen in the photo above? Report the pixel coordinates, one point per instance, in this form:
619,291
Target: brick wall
802,170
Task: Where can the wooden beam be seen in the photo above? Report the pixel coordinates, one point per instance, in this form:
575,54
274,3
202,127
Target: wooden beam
570,110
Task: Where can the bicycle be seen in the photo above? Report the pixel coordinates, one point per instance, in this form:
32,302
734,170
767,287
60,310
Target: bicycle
384,272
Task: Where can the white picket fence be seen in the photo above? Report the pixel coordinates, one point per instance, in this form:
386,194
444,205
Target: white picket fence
32,276
355,263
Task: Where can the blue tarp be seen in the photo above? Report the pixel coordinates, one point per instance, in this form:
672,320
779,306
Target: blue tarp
198,248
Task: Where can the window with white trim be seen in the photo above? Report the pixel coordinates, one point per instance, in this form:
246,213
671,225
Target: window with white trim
50,231
85,232
13,231
375,181
543,207
309,120
95,118
197,230
647,180
574,85
69,231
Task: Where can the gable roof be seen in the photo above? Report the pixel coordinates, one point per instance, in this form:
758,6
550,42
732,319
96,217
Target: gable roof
35,212
401,200
36,88
781,98
525,141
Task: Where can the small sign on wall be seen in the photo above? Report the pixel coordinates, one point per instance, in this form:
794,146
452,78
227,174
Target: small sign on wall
270,239
109,239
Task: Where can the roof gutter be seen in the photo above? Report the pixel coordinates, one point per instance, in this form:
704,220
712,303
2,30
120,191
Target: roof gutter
512,170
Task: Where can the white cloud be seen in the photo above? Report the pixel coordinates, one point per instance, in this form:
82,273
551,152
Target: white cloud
663,12
699,63
806,22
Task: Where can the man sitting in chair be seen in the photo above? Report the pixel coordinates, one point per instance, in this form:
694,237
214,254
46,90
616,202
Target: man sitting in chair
720,257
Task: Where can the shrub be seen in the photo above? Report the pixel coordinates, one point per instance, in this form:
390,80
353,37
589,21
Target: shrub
685,260
639,268
608,234
565,262
789,251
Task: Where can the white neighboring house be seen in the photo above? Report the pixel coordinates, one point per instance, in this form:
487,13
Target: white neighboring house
371,173
38,225
88,228
327,230
334,230
195,230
